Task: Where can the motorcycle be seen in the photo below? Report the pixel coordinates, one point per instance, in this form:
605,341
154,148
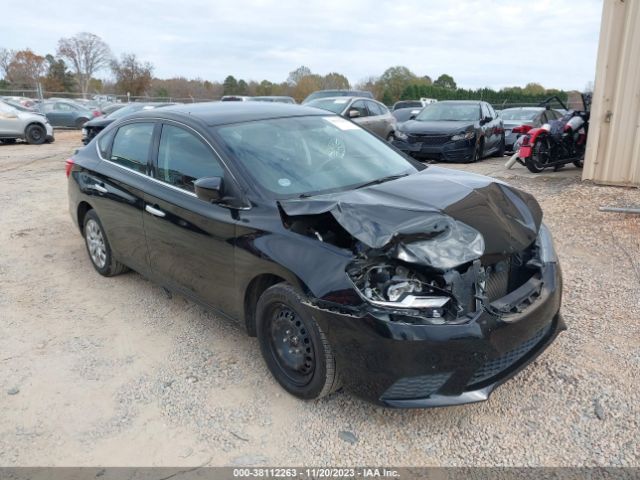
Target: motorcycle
556,143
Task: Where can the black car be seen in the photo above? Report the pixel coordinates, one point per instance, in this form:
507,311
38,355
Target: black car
412,285
454,131
91,128
406,114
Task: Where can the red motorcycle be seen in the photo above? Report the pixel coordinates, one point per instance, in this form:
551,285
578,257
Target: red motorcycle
558,142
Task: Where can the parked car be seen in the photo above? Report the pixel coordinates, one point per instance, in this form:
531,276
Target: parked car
108,109
273,98
453,130
23,124
413,285
91,128
518,121
62,113
26,102
235,98
337,93
372,115
406,114
407,104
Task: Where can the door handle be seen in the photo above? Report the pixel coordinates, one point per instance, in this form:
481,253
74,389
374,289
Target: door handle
100,188
154,211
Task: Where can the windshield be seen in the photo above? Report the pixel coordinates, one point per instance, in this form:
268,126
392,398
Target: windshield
450,112
335,105
309,155
518,114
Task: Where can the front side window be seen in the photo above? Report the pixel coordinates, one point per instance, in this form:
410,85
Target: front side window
361,107
375,108
183,158
131,146
289,157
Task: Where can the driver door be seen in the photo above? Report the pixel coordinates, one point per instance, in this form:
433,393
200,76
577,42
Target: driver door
364,120
190,241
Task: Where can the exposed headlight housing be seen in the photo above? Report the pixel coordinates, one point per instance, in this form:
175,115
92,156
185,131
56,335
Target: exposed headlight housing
464,135
400,135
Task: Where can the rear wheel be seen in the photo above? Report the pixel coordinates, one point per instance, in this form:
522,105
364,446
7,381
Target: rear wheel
540,156
501,148
35,134
294,347
98,247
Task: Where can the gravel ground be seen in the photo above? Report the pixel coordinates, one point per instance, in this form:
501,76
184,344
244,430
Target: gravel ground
114,372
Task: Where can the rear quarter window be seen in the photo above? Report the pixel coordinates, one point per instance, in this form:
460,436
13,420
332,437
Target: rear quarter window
131,146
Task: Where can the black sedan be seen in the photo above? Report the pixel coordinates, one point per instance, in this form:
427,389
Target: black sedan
454,131
414,286
91,128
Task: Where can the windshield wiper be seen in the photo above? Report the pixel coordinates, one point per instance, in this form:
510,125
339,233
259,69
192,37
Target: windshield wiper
381,180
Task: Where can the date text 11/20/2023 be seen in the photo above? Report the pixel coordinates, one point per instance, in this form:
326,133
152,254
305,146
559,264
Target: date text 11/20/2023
315,473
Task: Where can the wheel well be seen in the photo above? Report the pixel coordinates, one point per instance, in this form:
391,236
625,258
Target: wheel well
34,123
83,208
256,287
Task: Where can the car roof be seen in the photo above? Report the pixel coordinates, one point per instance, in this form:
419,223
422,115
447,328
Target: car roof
533,109
470,102
221,113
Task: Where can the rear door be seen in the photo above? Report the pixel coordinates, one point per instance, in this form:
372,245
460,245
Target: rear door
378,124
117,187
190,241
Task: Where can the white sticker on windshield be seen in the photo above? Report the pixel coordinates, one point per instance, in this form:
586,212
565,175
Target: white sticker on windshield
284,182
341,123
340,100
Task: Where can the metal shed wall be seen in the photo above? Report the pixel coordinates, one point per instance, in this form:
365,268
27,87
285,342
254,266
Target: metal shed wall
613,147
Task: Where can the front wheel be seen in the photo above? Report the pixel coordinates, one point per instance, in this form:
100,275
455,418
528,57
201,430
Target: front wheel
293,346
35,134
478,151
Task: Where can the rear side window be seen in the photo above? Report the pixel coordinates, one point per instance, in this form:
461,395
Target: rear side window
183,158
103,143
131,146
376,108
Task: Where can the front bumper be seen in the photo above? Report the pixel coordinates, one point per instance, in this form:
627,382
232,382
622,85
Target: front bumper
458,151
404,365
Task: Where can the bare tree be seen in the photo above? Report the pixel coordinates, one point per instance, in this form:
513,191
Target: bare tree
87,53
132,75
6,57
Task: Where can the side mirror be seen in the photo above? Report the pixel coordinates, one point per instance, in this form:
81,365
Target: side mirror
209,189
353,113
413,116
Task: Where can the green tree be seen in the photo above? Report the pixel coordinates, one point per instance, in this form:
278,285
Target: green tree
242,87
58,77
445,81
265,87
230,86
394,81
533,89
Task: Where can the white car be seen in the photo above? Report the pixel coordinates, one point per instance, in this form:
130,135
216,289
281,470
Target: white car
33,127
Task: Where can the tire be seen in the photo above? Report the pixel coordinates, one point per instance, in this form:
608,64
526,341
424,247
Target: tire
536,161
81,121
98,247
35,134
8,141
293,346
501,148
478,152
391,137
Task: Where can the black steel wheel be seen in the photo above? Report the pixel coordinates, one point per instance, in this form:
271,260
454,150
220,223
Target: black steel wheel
35,134
294,347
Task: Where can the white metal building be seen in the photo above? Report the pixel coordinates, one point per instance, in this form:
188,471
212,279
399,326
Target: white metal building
613,147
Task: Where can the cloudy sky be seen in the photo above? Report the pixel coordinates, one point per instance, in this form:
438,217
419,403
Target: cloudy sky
480,43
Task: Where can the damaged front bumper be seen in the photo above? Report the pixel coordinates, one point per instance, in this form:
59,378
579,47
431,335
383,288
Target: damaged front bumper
405,365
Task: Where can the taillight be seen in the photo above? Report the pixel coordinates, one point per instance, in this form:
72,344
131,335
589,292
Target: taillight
68,166
522,129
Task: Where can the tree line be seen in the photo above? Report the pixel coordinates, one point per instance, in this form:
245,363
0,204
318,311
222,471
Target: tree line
77,61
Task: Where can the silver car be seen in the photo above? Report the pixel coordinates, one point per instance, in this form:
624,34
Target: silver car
24,124
517,121
372,115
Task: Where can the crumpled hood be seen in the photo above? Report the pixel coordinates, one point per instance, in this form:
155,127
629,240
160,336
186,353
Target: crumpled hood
408,209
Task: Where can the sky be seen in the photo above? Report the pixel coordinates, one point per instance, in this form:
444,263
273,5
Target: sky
481,43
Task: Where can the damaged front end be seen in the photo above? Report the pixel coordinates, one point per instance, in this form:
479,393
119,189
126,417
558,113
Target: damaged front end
420,265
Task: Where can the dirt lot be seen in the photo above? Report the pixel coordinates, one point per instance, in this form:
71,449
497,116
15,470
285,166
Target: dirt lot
97,371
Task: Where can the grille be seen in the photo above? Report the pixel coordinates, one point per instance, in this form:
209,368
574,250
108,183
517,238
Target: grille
497,365
415,387
429,139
